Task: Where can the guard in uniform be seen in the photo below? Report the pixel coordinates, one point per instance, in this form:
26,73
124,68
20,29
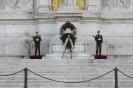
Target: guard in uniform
99,40
37,39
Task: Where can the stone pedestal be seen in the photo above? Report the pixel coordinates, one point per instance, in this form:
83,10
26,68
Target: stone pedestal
57,48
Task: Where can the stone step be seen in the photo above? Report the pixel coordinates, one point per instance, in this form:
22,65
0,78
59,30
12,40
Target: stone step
10,71
49,82
65,70
72,64
8,59
63,87
61,63
66,64
71,67
65,59
89,84
69,71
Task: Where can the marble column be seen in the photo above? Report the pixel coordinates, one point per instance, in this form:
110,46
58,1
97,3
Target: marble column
87,4
94,5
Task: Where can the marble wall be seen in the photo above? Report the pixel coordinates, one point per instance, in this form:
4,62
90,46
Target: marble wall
13,39
18,24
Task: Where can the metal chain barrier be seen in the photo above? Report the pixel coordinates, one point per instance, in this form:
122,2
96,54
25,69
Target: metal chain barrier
124,74
26,77
71,82
13,73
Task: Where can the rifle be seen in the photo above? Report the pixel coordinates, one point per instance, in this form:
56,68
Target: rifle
32,36
94,36
97,39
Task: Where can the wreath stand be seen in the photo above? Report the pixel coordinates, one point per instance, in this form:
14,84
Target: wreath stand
64,53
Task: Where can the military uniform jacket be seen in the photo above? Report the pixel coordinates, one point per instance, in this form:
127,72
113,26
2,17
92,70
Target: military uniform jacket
37,39
99,38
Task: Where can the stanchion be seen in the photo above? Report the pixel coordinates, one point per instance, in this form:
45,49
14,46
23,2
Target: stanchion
25,82
64,53
116,78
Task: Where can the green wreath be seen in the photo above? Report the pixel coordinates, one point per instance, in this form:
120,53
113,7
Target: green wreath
64,36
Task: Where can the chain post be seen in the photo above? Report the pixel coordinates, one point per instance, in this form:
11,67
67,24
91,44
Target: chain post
25,81
116,78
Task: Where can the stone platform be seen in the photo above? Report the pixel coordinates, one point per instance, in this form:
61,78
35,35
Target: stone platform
35,57
100,57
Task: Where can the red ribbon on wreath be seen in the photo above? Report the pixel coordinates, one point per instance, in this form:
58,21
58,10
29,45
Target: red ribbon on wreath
68,42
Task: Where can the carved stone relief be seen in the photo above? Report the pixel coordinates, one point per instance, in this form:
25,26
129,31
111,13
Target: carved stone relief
117,4
109,3
123,3
16,4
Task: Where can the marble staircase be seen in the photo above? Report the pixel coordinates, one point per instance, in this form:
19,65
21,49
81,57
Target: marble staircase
72,70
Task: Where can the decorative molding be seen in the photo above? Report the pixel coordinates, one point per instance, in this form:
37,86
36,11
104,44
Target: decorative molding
64,19
44,15
68,14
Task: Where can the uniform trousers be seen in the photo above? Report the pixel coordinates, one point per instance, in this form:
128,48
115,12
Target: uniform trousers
37,47
98,48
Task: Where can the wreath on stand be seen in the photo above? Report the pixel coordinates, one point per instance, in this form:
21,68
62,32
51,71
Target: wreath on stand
68,39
